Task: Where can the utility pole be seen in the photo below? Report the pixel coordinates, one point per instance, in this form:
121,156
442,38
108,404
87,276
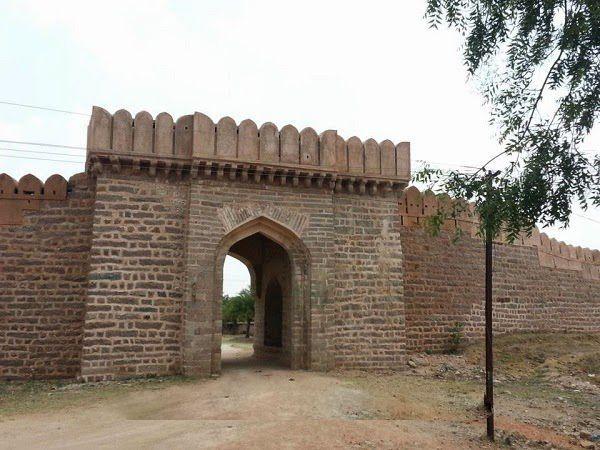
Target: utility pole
489,356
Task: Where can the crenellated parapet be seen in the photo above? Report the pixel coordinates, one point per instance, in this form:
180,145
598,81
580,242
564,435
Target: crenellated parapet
29,193
195,146
415,207
559,255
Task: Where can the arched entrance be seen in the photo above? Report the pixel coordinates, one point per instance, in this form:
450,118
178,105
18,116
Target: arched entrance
279,264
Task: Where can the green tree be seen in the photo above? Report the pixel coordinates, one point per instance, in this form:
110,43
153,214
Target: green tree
538,63
239,308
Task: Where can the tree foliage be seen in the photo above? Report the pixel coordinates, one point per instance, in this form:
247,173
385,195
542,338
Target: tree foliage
538,62
239,308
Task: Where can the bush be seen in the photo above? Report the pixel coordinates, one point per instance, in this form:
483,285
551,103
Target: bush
456,338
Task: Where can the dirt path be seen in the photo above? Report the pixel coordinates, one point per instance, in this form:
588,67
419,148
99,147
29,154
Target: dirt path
249,406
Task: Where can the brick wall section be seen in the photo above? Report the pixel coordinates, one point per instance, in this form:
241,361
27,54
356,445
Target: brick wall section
43,280
444,284
369,306
133,319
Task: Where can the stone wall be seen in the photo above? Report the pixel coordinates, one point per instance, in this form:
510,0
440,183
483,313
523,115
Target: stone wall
369,305
43,280
133,318
444,286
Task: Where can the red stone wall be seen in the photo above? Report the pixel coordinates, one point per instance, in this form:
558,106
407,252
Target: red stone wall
444,285
133,319
43,280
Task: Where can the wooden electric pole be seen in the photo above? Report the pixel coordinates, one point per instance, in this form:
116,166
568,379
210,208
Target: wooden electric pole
489,355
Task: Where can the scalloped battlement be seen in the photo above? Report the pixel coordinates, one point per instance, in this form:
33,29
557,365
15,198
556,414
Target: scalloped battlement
415,207
27,194
120,139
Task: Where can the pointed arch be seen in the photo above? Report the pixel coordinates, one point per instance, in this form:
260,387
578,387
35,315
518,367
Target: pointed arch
299,291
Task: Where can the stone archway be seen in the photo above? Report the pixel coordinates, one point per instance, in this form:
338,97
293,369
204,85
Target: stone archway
275,254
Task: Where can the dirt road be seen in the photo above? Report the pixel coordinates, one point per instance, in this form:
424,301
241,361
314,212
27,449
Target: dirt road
249,406
547,396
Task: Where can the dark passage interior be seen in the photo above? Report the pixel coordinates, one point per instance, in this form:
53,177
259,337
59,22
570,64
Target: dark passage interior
273,314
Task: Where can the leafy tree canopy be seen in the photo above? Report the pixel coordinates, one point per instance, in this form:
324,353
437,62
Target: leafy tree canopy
239,308
538,62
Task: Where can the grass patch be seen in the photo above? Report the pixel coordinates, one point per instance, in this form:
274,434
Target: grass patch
543,355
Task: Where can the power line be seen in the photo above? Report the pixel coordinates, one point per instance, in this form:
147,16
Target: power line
43,144
34,151
44,108
43,159
587,218
445,164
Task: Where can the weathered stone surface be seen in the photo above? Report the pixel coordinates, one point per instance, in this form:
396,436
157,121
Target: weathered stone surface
309,147
163,134
183,136
203,136
143,133
388,158
248,145
372,157
269,143
227,138
122,138
290,144
356,155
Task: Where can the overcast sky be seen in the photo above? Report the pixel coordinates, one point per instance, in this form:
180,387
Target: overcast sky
371,69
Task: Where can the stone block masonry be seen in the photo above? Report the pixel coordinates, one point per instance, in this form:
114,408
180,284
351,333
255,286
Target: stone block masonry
118,273
444,286
44,265
132,324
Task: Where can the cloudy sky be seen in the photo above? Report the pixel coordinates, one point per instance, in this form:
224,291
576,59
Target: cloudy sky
371,69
